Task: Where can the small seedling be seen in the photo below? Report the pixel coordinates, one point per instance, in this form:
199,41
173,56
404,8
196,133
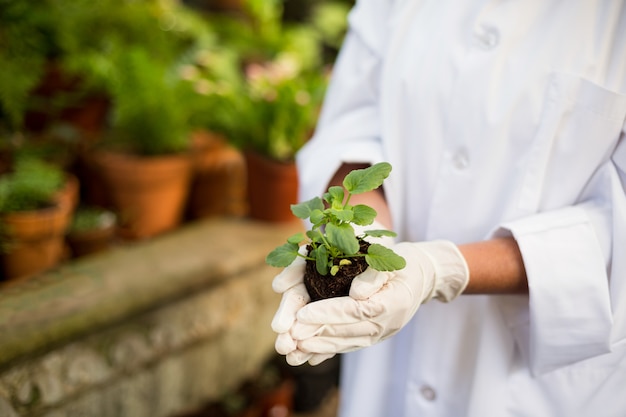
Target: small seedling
332,241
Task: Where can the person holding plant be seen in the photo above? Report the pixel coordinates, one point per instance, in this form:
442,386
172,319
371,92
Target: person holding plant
505,125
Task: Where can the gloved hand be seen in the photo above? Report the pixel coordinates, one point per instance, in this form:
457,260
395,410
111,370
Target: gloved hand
380,303
295,296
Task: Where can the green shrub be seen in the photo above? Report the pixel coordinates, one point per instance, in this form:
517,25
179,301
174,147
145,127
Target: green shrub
31,185
90,218
150,116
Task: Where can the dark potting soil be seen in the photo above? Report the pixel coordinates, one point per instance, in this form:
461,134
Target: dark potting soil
321,287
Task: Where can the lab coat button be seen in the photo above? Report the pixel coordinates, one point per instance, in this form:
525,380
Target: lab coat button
488,37
460,160
428,393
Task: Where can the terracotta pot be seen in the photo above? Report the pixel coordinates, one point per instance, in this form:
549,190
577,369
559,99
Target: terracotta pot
35,241
219,181
91,241
272,188
68,196
148,193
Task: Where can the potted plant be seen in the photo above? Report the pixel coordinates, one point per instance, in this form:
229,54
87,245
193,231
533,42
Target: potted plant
218,187
35,207
280,109
335,254
210,70
143,160
92,229
143,157
57,57
269,106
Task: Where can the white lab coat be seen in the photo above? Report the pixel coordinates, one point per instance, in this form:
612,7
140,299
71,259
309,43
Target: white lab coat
499,117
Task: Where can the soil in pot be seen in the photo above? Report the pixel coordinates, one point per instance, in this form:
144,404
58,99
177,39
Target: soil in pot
321,287
91,241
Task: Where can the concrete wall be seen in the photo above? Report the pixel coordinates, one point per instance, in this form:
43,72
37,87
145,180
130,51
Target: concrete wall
151,329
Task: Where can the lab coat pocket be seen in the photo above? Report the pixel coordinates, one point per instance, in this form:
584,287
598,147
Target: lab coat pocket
586,389
579,129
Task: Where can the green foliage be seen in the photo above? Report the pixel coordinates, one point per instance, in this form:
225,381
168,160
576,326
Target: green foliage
131,51
96,32
262,84
212,75
149,116
84,39
277,107
31,185
330,20
332,235
270,92
22,54
91,218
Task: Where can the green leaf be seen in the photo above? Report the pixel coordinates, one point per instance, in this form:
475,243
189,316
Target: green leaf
318,218
363,215
382,258
380,233
303,210
345,215
297,238
335,196
283,255
342,237
315,235
367,179
321,260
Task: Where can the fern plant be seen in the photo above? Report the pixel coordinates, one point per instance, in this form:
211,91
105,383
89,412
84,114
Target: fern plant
149,112
31,185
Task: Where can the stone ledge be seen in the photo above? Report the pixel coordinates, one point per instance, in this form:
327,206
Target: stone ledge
149,330
98,291
160,363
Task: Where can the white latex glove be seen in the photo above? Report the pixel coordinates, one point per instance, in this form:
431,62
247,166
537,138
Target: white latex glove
290,284
295,296
381,303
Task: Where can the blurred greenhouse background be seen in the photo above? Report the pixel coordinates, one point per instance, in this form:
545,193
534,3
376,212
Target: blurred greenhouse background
143,145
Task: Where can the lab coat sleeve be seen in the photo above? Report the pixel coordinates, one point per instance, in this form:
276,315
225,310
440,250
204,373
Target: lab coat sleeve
575,260
349,128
